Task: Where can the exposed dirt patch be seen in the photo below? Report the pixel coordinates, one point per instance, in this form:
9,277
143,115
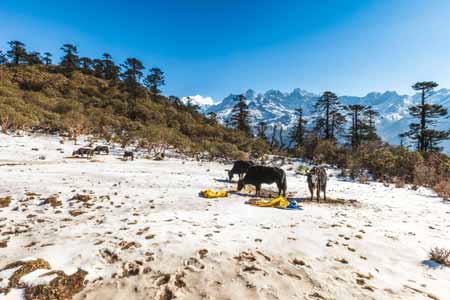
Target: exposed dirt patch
333,201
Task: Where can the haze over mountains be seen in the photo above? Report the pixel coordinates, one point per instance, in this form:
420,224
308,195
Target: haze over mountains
276,107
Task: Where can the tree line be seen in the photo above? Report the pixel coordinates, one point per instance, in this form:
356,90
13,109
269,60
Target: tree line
129,75
330,117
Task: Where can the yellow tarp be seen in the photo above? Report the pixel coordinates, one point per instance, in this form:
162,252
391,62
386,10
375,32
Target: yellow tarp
277,202
213,194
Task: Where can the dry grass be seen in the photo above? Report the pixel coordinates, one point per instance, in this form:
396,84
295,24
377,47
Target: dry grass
63,287
440,255
53,201
5,201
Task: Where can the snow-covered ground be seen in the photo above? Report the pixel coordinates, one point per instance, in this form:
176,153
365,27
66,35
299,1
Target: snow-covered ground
146,234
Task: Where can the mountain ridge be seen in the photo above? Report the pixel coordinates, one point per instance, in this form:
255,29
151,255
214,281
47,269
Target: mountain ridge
277,107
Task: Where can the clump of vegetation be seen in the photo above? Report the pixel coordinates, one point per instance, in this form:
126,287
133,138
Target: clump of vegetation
440,255
5,201
24,268
53,201
60,288
303,170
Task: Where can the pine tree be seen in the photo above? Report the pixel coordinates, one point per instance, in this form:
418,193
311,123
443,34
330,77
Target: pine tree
191,106
355,131
369,126
33,58
402,137
240,116
86,65
154,80
109,70
70,61
47,58
3,59
261,129
132,76
426,138
17,53
297,134
98,68
329,120
212,117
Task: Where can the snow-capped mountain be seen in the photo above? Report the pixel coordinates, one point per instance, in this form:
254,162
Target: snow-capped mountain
276,107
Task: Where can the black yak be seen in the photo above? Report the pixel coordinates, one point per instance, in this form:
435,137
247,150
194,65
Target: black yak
240,167
258,175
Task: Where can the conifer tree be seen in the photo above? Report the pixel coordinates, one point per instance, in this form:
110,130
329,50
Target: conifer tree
98,68
355,131
70,61
47,58
132,76
240,116
86,65
369,126
426,138
17,53
329,119
3,59
297,134
261,129
154,80
109,70
33,58
212,117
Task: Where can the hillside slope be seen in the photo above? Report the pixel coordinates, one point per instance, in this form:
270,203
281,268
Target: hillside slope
39,97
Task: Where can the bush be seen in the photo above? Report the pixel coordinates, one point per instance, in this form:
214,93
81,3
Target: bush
440,255
442,189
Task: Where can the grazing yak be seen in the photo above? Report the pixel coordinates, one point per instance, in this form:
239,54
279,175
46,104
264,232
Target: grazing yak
257,175
83,151
317,179
240,167
100,149
128,155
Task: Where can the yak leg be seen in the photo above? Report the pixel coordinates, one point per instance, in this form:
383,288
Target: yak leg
258,190
318,193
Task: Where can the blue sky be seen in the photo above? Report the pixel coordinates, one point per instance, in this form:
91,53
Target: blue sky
217,47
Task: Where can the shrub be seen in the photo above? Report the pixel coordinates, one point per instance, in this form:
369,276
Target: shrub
440,255
443,189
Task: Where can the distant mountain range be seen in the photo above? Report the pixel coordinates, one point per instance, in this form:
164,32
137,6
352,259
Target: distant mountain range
276,107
